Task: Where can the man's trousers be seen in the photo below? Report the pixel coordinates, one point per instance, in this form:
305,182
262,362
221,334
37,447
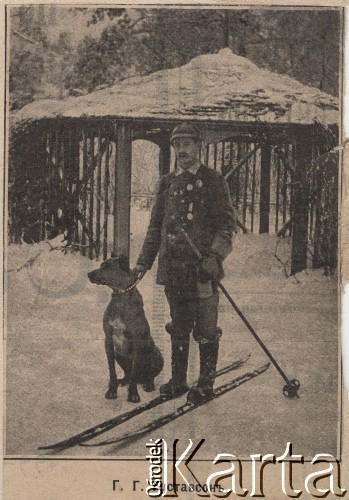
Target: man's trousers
190,313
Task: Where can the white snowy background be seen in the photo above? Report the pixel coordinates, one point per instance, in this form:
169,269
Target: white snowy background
57,370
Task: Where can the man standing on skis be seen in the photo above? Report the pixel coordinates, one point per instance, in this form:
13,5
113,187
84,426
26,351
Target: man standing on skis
195,199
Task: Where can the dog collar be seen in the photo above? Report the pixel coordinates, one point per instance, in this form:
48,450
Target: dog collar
122,291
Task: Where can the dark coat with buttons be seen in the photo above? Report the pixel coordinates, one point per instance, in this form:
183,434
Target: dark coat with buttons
201,205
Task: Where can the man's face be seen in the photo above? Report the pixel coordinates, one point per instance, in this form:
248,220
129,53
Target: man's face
187,151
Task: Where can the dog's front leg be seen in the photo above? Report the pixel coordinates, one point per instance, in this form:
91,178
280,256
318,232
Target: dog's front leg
113,380
133,395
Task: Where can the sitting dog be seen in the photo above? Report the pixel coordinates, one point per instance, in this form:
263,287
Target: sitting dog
127,333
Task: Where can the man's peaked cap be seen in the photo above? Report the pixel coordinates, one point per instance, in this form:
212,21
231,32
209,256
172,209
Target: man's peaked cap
186,130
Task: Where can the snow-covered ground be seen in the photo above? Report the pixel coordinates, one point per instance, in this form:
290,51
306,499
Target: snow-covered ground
57,371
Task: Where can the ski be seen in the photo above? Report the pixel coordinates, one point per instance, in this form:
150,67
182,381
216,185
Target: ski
182,410
124,417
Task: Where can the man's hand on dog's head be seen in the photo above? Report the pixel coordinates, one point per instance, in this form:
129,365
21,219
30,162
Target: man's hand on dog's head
139,271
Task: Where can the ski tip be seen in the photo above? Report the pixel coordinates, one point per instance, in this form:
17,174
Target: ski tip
264,368
244,359
50,448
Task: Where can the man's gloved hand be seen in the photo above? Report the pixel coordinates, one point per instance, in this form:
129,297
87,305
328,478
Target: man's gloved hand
139,271
210,269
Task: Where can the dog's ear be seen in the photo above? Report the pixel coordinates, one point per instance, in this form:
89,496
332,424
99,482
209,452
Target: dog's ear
124,264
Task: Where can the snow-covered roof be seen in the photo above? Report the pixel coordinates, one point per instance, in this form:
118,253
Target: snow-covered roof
222,86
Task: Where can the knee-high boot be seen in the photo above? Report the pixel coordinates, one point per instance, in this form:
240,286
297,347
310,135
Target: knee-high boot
208,362
177,385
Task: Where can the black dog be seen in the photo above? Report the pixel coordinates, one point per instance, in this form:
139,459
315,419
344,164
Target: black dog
127,333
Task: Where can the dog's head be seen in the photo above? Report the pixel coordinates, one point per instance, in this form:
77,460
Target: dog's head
114,272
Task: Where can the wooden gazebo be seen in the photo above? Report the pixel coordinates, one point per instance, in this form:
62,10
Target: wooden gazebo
263,131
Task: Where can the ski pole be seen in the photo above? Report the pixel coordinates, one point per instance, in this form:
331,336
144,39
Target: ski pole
291,388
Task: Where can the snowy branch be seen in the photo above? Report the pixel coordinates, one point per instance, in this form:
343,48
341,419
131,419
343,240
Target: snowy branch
28,263
25,38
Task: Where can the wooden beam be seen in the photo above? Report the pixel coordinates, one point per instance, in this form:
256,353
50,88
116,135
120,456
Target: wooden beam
301,203
122,198
265,189
242,162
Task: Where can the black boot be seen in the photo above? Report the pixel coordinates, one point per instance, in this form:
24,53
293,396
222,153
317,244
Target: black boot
208,362
178,383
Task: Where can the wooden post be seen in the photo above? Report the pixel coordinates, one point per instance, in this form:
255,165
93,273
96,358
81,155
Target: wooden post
312,201
49,172
244,207
230,178
231,156
317,261
41,162
215,156
122,199
164,156
292,182
207,154
301,202
78,166
265,189
106,201
237,176
98,194
253,184
75,178
91,193
69,155
64,157
284,188
223,158
277,201
84,200
56,186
